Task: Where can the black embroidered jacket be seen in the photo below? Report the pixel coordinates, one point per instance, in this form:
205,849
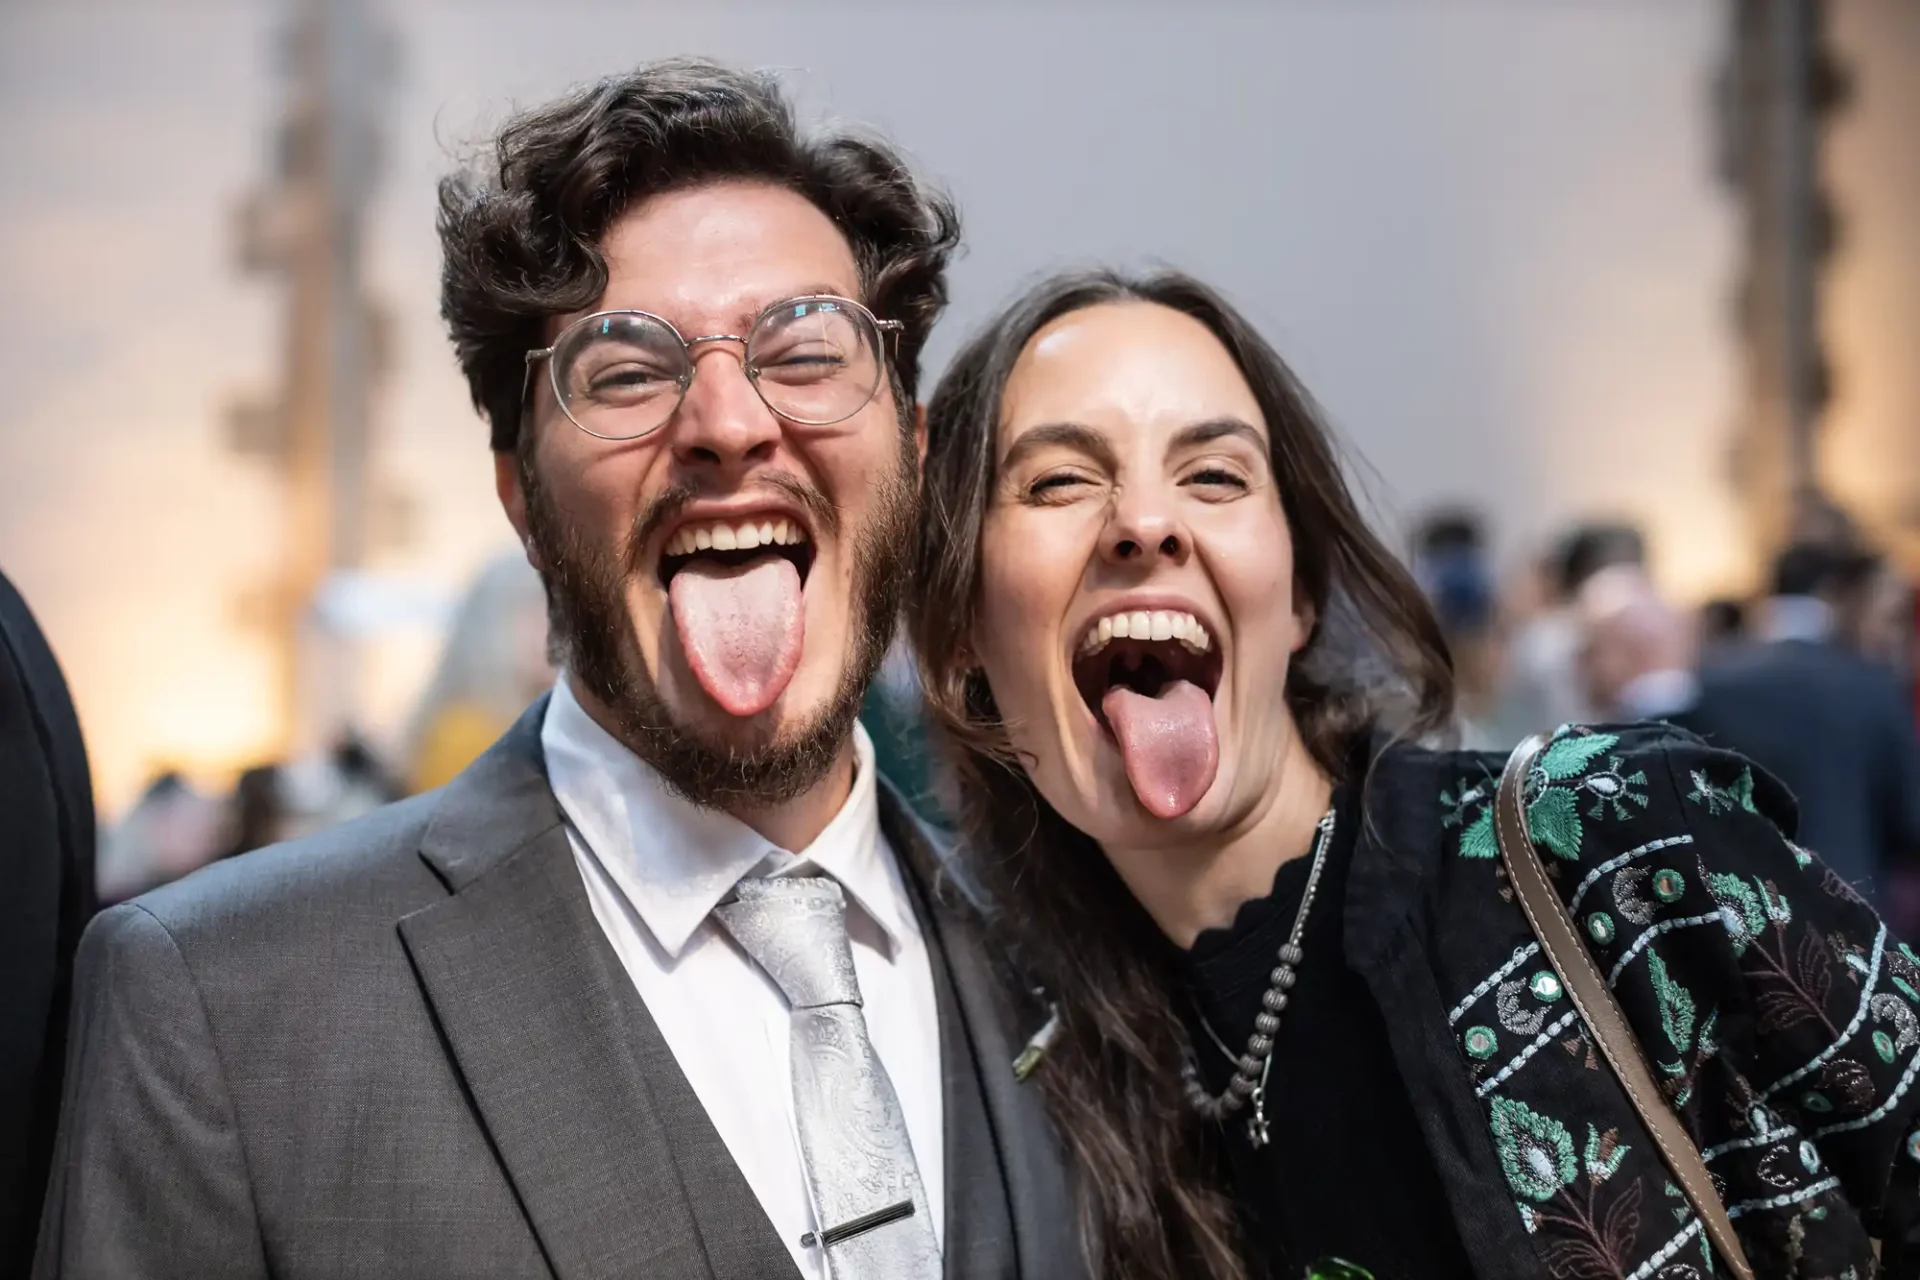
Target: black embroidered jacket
1776,1009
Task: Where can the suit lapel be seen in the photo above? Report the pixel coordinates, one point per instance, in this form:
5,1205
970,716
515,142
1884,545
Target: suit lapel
611,1154
1018,1136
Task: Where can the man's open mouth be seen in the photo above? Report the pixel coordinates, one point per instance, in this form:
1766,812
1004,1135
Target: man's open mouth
733,543
736,589
1144,652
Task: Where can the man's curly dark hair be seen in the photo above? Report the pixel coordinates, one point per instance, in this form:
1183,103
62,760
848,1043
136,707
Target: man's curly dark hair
520,235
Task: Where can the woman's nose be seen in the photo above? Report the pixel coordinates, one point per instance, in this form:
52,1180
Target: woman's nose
1138,535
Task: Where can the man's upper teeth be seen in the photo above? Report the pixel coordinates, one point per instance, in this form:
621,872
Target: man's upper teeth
1159,624
736,535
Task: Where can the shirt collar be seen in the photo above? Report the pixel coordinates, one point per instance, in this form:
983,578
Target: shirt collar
675,861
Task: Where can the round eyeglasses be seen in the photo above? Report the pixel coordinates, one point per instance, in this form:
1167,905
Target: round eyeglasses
620,375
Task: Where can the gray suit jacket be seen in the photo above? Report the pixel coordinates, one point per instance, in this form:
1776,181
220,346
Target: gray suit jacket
405,1048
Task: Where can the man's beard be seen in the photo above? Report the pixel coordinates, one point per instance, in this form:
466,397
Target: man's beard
586,608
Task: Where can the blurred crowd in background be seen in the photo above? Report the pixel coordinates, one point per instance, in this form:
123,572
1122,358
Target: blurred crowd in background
1814,678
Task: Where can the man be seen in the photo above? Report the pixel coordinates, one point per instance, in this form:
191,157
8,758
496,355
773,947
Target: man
582,1013
46,895
1831,724
1542,688
1636,651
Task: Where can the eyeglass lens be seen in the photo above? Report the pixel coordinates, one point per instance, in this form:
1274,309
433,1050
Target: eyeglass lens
814,361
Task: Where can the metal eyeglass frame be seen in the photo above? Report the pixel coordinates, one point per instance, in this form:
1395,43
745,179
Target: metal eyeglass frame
882,328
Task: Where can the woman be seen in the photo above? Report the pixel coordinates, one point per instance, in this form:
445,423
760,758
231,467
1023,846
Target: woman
1183,682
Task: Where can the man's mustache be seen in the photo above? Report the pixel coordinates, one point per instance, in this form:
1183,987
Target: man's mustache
667,505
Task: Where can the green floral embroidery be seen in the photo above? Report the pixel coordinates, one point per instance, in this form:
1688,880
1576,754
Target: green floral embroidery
1457,806
1676,1006
1478,840
1613,791
1559,777
1604,1153
1553,820
1740,908
1568,756
1723,799
1776,903
1536,1151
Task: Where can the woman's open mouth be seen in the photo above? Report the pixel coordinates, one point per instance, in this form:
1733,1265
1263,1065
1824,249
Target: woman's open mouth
1122,651
1149,680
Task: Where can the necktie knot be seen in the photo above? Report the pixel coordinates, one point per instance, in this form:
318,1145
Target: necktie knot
795,928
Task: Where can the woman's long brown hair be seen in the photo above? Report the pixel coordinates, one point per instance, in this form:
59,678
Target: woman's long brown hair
1152,1202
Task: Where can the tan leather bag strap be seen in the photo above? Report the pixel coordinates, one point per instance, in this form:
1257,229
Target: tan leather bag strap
1594,1002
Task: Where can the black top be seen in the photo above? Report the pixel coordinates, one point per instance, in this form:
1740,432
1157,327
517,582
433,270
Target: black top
1346,1173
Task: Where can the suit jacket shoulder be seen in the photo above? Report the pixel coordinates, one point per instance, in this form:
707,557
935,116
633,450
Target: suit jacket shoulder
302,890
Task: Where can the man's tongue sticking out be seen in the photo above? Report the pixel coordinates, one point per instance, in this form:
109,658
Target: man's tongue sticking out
1168,743
742,627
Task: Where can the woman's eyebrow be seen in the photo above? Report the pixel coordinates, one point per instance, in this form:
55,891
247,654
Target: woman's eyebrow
1215,429
1070,434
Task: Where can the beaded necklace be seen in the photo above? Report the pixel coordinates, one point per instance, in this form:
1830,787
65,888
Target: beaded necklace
1249,1083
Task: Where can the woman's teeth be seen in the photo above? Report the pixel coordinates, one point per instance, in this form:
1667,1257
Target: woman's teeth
734,536
1141,625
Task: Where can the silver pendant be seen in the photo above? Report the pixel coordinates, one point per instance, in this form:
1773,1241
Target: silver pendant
1257,1134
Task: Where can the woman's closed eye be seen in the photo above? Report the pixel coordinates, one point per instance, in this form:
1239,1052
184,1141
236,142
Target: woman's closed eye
1057,486
1217,480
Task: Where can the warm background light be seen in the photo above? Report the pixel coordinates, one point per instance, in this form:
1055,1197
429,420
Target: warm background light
1488,234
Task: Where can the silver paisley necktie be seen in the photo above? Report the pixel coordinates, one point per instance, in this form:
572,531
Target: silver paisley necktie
874,1223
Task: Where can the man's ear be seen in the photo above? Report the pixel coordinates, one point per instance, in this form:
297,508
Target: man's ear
920,432
513,500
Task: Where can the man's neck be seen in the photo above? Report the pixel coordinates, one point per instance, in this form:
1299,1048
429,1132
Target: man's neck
794,824
1190,888
789,824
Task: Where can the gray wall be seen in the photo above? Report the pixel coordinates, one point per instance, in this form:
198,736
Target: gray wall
1485,233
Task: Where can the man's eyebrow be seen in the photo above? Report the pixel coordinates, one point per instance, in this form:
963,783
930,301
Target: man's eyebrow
1217,429
1072,435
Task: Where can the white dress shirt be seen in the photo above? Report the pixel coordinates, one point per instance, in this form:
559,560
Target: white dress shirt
656,865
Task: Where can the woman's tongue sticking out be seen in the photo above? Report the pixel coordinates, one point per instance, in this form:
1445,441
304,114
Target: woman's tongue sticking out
1168,742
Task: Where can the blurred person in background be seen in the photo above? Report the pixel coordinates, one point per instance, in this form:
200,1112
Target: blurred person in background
494,662
46,898
171,829
1722,624
667,982
1833,725
1874,610
1450,563
1636,650
1543,686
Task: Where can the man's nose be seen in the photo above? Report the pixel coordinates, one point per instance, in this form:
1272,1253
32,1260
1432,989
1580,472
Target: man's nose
722,423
